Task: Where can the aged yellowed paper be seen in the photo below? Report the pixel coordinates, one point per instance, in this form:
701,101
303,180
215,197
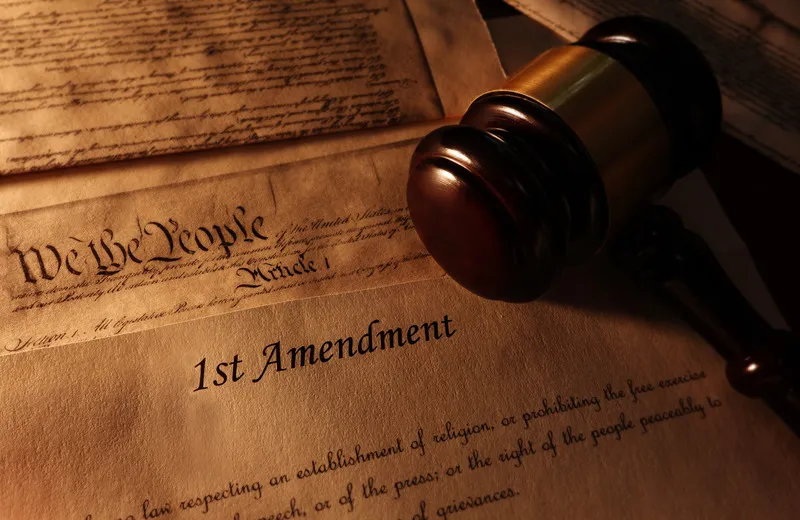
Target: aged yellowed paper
409,402
145,258
27,192
105,80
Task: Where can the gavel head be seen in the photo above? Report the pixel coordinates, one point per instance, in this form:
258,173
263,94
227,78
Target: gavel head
540,172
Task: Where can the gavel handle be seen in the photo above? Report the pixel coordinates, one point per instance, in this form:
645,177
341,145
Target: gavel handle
762,361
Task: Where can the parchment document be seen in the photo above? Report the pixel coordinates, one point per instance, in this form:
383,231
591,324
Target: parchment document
410,402
85,81
26,192
141,259
753,46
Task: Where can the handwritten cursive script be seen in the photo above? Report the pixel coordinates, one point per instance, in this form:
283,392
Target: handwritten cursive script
157,241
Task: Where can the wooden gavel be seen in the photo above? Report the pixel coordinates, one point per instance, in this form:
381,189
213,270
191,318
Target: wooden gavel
565,159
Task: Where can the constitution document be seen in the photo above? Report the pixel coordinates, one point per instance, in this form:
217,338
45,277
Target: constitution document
256,332
85,81
140,259
298,230
418,401
753,46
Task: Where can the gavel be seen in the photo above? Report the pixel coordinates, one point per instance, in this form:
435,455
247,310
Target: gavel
565,159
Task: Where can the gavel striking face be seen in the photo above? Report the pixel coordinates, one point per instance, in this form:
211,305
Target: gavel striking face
539,173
